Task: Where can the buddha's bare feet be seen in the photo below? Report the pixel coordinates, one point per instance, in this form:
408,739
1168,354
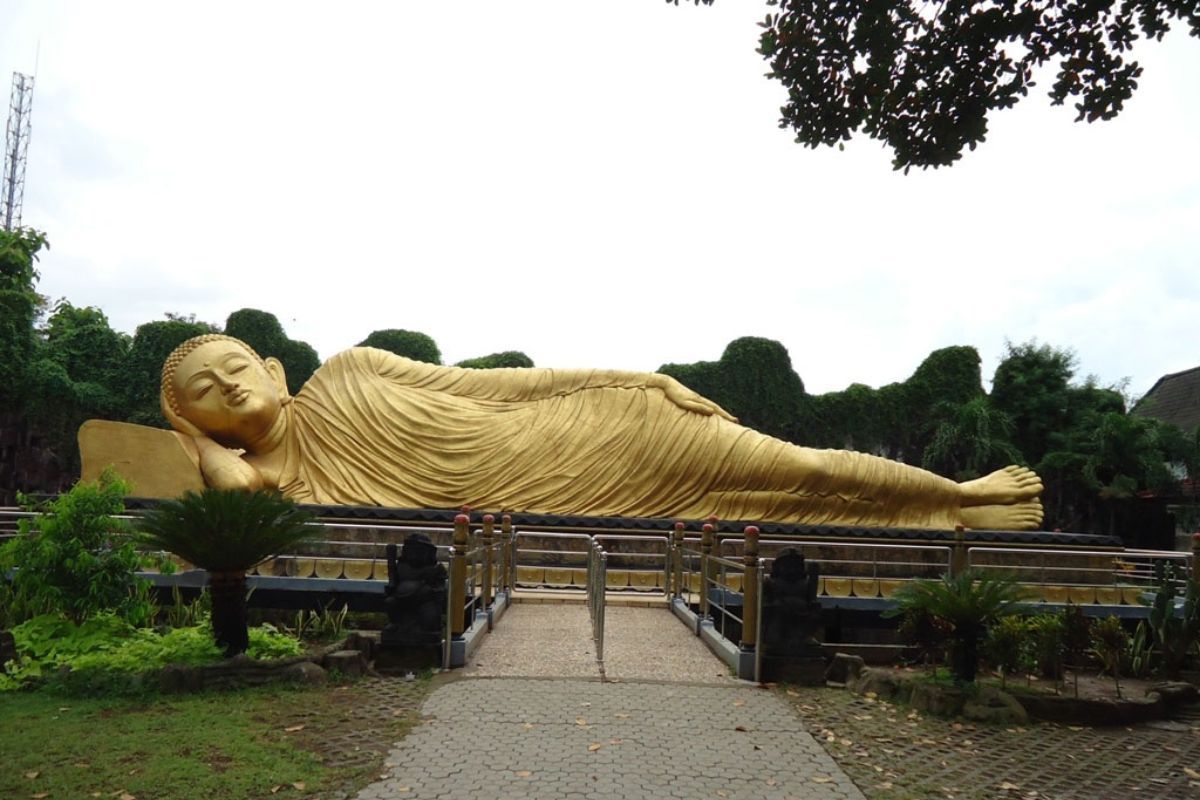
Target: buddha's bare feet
1023,516
1003,487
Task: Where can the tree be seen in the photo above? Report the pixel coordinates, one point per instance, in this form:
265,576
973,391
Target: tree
1032,385
754,381
923,78
262,331
18,308
972,440
409,344
509,358
226,532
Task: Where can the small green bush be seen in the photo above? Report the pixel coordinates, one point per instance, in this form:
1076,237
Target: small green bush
74,559
1110,643
107,655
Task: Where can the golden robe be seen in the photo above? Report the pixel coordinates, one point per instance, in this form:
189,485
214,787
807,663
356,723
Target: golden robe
372,428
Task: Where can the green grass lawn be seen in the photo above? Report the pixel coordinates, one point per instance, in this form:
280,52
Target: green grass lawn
228,745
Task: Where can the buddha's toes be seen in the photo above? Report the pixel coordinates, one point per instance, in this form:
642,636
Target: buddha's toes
1005,486
1023,516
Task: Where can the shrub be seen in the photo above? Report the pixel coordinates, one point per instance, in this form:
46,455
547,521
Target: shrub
968,603
226,532
73,558
1110,641
1176,627
105,655
1046,636
1006,646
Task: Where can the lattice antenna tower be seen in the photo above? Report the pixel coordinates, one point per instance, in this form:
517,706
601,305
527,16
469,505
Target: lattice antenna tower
16,151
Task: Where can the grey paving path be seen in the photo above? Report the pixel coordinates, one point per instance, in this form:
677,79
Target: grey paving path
556,641
565,739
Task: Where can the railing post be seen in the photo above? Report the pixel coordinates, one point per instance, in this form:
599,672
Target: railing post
488,561
750,589
458,576
510,554
706,545
958,553
677,561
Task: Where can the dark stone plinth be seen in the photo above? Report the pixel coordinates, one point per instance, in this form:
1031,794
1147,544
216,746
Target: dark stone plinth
791,617
800,670
415,597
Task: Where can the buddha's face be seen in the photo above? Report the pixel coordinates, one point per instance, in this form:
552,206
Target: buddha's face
227,393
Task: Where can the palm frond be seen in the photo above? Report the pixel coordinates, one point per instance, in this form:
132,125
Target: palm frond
225,530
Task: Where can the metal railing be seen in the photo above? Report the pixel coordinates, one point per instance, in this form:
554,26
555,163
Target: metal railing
1083,568
597,590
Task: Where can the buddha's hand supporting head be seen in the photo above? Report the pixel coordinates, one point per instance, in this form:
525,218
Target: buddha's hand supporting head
217,386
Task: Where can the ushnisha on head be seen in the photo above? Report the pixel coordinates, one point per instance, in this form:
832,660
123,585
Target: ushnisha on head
217,386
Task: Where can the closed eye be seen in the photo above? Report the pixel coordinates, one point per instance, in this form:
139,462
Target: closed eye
203,390
237,369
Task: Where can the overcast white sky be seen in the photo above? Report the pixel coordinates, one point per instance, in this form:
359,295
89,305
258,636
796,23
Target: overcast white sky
594,183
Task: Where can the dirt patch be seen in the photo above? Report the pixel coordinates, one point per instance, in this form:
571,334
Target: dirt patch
895,753
351,728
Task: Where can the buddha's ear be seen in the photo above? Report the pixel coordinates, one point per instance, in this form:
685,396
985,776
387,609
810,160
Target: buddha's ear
275,370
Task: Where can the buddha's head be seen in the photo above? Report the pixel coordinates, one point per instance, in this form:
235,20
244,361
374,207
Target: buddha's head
217,386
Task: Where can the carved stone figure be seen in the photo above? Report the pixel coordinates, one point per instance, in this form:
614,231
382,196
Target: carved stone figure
372,428
791,611
415,596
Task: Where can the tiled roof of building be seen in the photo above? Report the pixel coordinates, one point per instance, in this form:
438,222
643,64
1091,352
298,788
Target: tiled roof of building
1174,398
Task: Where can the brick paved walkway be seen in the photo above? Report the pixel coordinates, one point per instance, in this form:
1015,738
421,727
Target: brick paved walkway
546,641
688,731
585,740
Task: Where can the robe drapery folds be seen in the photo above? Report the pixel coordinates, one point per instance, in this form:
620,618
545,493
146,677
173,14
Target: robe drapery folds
372,428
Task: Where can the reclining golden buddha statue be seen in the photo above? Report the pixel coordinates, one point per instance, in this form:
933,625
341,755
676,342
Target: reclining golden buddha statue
373,428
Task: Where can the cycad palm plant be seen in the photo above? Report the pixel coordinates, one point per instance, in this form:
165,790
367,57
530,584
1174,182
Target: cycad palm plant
227,533
968,602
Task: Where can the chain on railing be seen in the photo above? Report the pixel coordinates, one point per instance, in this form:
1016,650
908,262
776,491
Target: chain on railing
597,583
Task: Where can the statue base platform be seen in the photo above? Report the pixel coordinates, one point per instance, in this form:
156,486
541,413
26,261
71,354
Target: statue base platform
394,660
800,670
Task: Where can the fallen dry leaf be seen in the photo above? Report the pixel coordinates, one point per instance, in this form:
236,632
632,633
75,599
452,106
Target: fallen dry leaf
581,722
792,693
294,728
822,779
1191,773
523,773
403,788
39,795
1006,786
594,746
32,774
275,789
299,785
528,726
740,729
771,782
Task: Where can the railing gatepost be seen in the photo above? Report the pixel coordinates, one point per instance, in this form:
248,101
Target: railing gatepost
958,553
750,589
458,576
706,546
488,562
677,561
509,549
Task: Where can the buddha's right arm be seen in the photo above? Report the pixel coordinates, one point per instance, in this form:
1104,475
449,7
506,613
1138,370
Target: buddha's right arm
224,469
